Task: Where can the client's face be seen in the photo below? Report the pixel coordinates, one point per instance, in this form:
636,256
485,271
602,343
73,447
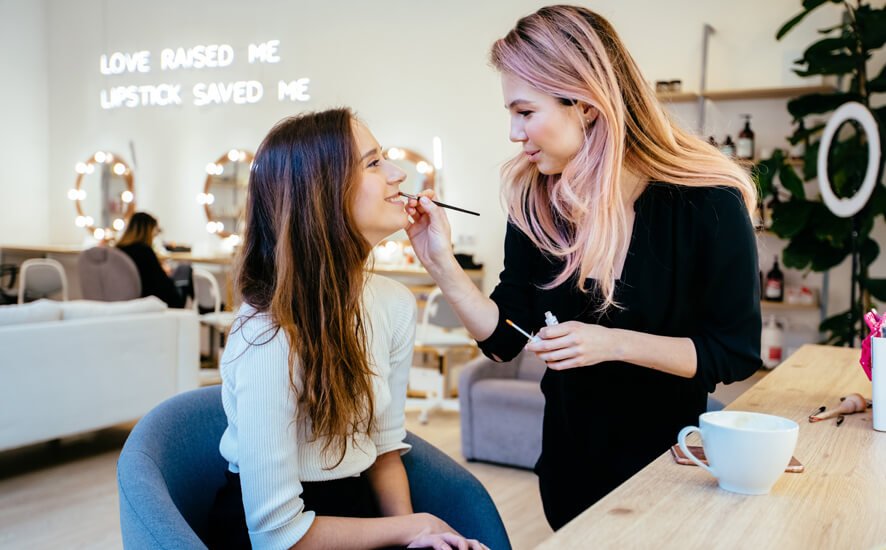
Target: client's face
378,208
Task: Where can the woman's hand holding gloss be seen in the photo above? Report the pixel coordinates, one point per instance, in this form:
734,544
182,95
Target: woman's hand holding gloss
573,344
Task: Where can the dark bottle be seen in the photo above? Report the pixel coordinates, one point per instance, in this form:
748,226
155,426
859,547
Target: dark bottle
745,148
728,147
774,284
713,142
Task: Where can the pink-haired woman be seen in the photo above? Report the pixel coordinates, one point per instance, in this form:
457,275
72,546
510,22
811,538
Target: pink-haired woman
634,233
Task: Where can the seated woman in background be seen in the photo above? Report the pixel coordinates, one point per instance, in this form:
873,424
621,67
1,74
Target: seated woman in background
315,369
136,243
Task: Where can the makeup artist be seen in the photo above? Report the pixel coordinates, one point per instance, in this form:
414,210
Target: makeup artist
633,232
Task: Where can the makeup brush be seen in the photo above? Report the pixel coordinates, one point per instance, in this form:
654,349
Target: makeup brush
444,205
850,404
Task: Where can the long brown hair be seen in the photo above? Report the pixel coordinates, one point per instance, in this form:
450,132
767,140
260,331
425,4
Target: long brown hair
139,230
576,56
302,261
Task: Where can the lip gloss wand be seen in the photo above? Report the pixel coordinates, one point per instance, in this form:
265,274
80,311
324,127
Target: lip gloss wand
523,332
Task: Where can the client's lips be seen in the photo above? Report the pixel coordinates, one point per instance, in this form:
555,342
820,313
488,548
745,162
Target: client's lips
395,198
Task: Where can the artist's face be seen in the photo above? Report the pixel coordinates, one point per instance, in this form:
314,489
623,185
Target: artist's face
551,133
377,208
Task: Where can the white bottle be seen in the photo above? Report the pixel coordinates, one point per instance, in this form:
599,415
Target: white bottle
550,319
772,343
878,381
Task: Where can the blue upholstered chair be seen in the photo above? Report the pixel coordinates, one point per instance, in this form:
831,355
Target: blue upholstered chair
170,470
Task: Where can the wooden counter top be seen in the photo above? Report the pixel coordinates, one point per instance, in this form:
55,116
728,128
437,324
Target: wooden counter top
838,502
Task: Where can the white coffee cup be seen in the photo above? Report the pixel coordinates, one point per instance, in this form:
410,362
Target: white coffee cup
747,451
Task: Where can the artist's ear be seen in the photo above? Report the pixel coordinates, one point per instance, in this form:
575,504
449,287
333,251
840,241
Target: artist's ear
588,114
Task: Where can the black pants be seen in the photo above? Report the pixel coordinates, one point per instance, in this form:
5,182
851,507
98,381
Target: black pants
348,497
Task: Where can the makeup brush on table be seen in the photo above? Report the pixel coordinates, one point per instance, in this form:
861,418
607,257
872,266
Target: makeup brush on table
850,404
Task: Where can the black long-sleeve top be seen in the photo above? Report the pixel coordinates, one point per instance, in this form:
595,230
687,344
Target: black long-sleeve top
155,281
691,271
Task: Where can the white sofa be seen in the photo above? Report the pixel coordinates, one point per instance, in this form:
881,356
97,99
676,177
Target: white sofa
72,367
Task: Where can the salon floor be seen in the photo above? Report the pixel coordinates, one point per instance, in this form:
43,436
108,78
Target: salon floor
65,494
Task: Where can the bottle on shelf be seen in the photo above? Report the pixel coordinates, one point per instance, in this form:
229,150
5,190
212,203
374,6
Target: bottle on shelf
772,343
774,291
728,147
713,142
745,146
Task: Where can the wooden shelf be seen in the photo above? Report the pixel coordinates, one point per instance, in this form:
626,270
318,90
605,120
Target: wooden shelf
749,93
785,306
677,97
767,93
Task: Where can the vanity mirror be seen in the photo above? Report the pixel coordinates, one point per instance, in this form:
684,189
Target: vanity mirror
224,193
103,195
419,170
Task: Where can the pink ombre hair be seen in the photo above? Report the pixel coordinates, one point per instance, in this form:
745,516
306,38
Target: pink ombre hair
576,56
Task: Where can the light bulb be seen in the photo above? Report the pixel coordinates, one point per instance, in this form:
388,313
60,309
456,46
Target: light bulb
210,168
210,227
119,169
90,168
119,224
73,194
81,194
88,220
210,198
80,221
99,233
99,157
126,196
423,167
80,167
233,155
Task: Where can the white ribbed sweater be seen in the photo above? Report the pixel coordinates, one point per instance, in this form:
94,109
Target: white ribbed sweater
267,439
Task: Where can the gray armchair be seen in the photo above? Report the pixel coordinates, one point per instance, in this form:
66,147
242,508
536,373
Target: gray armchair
108,275
501,410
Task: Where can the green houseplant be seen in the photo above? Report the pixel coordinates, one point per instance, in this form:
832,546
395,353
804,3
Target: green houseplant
819,240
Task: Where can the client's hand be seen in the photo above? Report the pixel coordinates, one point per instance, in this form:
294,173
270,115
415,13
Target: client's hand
437,534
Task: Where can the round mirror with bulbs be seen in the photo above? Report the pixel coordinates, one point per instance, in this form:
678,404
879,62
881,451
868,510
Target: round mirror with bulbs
419,170
103,195
224,192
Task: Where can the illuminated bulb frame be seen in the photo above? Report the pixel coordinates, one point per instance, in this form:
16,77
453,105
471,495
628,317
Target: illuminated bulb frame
414,157
244,156
112,159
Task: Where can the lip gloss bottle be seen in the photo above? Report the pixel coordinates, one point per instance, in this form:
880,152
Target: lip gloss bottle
551,319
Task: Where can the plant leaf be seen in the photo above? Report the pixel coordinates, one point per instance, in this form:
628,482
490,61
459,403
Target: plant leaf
800,135
810,161
765,170
827,64
871,26
789,218
877,288
868,252
810,104
827,45
794,20
830,229
791,181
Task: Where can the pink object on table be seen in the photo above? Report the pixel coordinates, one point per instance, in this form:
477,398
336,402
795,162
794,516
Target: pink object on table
875,324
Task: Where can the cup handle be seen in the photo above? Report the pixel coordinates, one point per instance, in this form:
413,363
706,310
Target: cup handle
681,440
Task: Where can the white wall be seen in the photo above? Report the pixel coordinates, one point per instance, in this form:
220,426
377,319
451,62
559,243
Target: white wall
413,69
24,117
